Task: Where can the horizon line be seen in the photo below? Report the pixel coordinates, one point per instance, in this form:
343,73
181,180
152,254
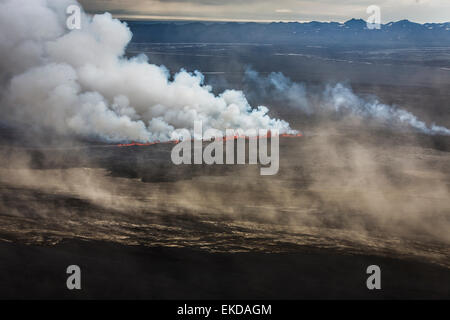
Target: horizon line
203,19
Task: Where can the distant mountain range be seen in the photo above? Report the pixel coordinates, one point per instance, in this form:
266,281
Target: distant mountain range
351,33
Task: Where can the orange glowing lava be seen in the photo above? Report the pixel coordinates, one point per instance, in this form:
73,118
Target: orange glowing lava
284,135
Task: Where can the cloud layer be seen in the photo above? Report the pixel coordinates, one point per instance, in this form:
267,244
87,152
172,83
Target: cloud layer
281,10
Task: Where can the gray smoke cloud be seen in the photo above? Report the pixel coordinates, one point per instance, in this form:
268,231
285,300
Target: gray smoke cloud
79,82
338,99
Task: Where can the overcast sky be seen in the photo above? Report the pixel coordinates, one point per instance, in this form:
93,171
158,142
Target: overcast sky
273,10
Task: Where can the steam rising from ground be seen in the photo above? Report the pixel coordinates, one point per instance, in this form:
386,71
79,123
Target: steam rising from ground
79,82
338,99
335,190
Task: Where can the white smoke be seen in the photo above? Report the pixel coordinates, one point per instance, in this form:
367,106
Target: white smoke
334,98
80,82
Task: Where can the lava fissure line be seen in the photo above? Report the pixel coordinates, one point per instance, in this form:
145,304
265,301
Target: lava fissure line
133,143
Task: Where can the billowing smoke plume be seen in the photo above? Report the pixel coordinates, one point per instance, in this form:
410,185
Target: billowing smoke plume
338,99
79,82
